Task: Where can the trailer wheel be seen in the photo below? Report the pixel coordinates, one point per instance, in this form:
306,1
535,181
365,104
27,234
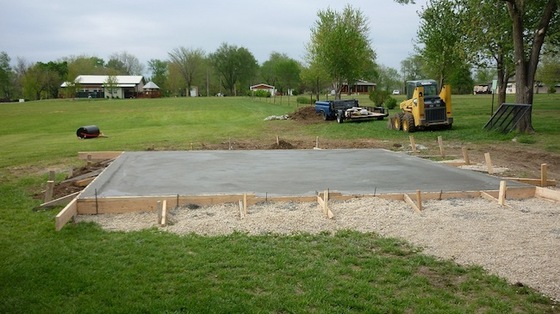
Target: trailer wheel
408,123
340,117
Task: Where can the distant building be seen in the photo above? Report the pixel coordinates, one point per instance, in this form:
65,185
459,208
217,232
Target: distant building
361,87
107,86
269,88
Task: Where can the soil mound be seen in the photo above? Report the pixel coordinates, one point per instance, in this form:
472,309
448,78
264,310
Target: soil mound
307,114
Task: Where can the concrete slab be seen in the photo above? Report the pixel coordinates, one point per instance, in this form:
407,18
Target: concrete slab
281,173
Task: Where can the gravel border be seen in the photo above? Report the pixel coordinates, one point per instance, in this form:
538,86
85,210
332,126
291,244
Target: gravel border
521,244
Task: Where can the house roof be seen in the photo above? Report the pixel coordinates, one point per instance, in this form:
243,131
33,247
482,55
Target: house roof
151,85
101,79
261,86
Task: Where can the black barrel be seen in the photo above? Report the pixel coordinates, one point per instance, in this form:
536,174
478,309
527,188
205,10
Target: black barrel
88,131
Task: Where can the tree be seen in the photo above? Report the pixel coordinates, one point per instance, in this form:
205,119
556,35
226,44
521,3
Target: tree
189,62
281,71
84,65
412,68
159,71
549,71
43,80
340,45
111,85
6,76
441,39
388,79
234,65
125,64
315,79
539,15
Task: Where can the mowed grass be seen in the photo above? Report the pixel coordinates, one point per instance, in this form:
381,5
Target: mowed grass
85,269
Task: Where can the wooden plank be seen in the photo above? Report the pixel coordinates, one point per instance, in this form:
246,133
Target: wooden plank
489,163
413,143
60,201
488,197
440,143
466,156
245,204
164,213
536,182
410,202
84,176
419,200
502,193
102,155
49,192
453,163
553,195
83,182
66,214
544,175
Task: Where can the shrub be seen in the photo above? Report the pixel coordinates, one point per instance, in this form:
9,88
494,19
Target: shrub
261,93
303,100
391,103
379,97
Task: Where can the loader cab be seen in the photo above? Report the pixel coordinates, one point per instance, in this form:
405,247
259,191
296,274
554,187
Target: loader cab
430,88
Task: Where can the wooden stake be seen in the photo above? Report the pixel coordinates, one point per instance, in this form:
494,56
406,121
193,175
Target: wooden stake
466,156
164,213
544,175
192,147
52,175
410,202
245,204
419,199
49,192
277,141
502,194
412,143
317,142
440,142
159,212
89,160
489,163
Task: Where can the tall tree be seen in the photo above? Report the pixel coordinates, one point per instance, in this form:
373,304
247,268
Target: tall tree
234,65
159,71
190,63
549,71
84,65
441,39
530,19
341,47
281,71
125,64
388,79
412,68
6,77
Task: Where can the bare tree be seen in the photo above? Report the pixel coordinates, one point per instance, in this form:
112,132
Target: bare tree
189,62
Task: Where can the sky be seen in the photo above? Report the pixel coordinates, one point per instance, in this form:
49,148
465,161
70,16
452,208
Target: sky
39,30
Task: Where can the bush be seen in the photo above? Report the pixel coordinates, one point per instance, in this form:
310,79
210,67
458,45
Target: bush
379,97
391,103
261,93
303,100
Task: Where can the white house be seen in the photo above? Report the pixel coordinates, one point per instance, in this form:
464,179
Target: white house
107,86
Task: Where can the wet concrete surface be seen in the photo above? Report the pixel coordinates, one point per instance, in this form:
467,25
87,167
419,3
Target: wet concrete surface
281,173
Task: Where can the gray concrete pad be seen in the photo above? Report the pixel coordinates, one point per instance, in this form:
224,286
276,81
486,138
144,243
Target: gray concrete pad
281,173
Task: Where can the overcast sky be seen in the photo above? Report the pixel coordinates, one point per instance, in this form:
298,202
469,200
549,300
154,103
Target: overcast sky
39,30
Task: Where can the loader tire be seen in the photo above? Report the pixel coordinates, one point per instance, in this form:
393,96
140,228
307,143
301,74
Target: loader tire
396,121
408,123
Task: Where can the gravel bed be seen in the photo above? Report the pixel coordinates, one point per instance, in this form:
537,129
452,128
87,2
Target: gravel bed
521,244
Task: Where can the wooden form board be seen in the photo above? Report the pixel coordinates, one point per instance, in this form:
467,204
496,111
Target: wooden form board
66,214
548,194
119,205
99,155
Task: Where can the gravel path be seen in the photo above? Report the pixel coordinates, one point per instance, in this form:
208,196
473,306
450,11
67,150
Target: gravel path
521,244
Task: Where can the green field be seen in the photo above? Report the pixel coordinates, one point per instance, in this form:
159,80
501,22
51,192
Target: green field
87,270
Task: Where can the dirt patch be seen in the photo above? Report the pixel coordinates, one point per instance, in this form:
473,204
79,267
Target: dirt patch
306,114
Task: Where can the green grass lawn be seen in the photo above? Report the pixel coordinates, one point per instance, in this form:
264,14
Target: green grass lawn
85,269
